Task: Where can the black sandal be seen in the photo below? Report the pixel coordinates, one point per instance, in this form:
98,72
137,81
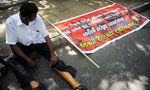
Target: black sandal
80,87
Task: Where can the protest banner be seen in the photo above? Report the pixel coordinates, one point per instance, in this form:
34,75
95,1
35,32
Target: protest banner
94,30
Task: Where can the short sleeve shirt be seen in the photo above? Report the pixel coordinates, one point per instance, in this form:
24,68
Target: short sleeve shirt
16,31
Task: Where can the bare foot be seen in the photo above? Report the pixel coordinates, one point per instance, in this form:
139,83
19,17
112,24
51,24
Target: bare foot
34,84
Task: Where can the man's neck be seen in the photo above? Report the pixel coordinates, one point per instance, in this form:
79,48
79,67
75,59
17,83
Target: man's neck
25,20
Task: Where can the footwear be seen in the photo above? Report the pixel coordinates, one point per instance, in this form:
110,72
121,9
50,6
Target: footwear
80,87
40,87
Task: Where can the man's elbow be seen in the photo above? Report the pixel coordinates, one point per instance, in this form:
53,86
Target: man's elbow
13,47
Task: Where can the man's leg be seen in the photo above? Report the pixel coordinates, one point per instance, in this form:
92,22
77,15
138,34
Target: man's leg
19,67
22,74
44,50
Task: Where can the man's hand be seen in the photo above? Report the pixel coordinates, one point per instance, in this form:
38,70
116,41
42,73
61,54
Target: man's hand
19,52
31,63
53,59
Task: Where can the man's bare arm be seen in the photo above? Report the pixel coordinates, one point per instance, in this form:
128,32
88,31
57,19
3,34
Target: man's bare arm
53,58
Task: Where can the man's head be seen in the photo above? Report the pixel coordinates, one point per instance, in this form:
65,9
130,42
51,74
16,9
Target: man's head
28,10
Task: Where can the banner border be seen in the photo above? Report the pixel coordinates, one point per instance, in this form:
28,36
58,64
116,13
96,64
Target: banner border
107,43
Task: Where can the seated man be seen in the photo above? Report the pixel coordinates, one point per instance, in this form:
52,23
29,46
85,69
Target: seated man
25,33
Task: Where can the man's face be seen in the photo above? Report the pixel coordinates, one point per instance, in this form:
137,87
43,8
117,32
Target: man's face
33,17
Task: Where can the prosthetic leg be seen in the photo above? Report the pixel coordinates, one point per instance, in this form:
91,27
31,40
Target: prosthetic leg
69,77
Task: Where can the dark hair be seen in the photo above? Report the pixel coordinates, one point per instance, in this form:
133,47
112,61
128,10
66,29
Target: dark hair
27,9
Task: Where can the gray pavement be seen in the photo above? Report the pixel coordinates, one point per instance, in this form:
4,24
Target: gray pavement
124,66
4,4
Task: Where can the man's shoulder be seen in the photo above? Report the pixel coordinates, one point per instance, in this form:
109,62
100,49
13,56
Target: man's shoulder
12,18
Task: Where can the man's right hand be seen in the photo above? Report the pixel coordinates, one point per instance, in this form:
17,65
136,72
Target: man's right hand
31,63
19,52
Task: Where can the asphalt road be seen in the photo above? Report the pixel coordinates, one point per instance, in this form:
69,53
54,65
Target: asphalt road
125,65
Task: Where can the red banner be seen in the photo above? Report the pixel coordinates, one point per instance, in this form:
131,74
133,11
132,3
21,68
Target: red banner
91,31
